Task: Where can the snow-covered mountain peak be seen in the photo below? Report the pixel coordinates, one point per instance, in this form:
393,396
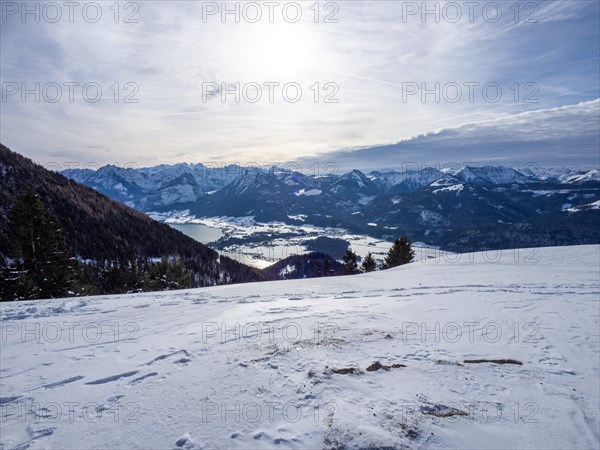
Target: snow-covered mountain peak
353,182
492,175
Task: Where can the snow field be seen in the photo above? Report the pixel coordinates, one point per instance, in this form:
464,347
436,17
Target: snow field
289,364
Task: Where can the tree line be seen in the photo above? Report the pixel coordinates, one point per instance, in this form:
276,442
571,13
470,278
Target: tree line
39,264
400,253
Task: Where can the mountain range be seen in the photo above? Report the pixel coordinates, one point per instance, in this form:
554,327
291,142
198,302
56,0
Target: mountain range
464,208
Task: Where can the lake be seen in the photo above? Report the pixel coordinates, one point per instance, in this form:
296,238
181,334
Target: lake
198,232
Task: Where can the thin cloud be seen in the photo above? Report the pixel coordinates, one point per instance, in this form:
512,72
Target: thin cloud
370,54
563,136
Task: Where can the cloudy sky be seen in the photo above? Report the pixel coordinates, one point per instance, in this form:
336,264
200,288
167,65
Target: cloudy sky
368,84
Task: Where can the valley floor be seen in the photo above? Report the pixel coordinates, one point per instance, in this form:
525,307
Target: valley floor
262,244
289,364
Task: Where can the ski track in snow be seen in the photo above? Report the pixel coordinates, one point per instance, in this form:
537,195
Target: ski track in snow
283,364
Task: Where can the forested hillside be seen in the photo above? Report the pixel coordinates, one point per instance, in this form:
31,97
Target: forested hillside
101,234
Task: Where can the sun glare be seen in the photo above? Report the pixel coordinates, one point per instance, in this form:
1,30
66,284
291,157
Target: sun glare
279,49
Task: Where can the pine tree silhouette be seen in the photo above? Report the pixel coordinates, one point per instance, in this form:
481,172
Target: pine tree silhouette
400,253
42,265
350,265
368,263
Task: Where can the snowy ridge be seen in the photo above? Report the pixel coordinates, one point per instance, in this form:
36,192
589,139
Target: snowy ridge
385,360
452,188
446,180
167,185
592,175
492,175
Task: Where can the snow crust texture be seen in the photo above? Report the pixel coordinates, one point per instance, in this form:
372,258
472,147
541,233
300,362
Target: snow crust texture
493,350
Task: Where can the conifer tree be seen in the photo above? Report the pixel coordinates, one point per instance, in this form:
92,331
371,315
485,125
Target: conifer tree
42,265
326,267
400,253
368,263
9,279
350,265
170,274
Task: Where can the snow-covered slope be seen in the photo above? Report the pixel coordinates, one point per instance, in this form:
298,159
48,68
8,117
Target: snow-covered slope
270,365
591,175
491,175
405,181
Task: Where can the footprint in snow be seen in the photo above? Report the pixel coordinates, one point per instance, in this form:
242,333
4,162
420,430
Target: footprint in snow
5,400
63,382
142,378
113,377
168,355
261,435
186,442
